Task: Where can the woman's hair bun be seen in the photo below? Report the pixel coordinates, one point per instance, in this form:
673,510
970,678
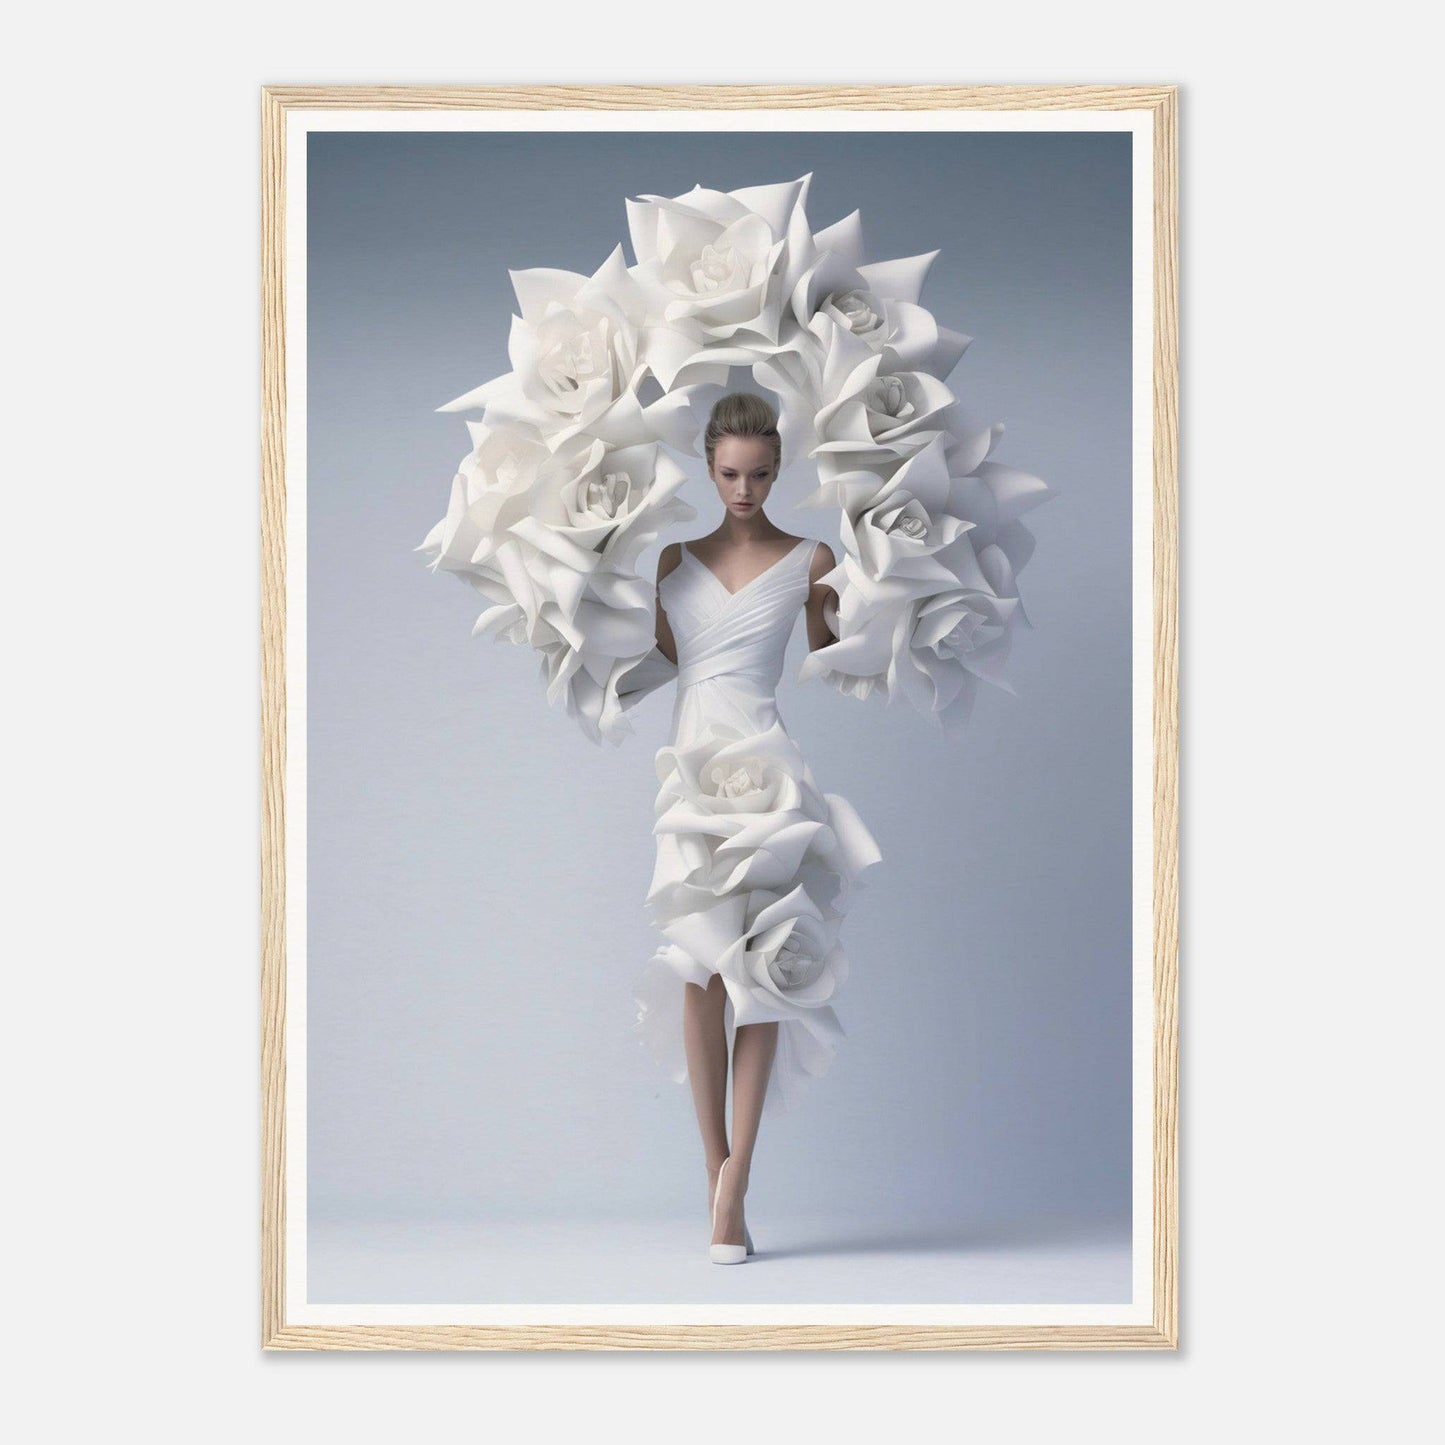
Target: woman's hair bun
742,414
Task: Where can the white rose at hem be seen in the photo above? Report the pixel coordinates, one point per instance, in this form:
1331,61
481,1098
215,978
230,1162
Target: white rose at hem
737,812
755,869
804,1054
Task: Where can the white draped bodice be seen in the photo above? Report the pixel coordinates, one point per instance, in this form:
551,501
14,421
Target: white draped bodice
731,645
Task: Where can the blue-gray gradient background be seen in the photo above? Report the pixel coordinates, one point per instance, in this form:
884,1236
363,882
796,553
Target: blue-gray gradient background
477,867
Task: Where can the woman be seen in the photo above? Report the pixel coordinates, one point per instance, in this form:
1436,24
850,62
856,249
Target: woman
754,863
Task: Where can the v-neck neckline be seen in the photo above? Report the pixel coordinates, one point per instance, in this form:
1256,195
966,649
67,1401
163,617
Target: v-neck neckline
771,567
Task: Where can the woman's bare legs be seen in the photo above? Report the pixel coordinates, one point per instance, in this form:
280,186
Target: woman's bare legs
754,1046
704,1033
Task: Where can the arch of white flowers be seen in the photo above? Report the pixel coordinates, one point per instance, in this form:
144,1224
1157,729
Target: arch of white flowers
569,477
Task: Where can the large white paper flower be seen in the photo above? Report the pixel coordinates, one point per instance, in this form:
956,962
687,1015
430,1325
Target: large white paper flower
877,302
777,951
780,961
489,492
717,269
844,403
958,638
577,364
890,624
738,811
934,651
734,811
992,499
787,958
591,509
900,527
551,539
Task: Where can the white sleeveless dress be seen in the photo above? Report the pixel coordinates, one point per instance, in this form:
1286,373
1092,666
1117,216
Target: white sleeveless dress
755,865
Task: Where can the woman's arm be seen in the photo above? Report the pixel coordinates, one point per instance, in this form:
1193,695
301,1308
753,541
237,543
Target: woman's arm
670,557
819,633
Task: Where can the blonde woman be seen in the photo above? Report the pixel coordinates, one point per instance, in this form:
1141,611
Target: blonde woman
754,863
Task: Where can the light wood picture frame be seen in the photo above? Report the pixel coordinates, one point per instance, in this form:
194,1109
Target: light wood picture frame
1154,109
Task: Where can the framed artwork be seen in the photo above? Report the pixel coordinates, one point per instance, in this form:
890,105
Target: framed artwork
794,883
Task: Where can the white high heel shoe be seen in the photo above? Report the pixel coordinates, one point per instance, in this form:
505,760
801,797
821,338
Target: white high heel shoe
726,1253
747,1233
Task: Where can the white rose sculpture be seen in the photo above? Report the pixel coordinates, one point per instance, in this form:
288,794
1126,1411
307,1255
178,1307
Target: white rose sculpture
569,479
755,867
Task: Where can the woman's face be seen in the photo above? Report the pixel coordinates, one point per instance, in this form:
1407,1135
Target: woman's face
743,472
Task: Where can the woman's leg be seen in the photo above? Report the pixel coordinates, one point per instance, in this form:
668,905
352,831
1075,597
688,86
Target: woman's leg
704,1033
754,1046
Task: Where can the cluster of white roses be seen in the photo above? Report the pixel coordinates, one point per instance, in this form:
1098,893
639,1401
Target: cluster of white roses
567,483
754,867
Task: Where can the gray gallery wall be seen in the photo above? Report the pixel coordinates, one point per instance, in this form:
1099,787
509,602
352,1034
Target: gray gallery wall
477,867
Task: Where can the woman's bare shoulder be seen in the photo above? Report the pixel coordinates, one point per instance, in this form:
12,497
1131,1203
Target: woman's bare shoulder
668,558
822,562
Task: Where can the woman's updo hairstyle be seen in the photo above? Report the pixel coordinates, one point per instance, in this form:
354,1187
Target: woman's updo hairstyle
742,414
